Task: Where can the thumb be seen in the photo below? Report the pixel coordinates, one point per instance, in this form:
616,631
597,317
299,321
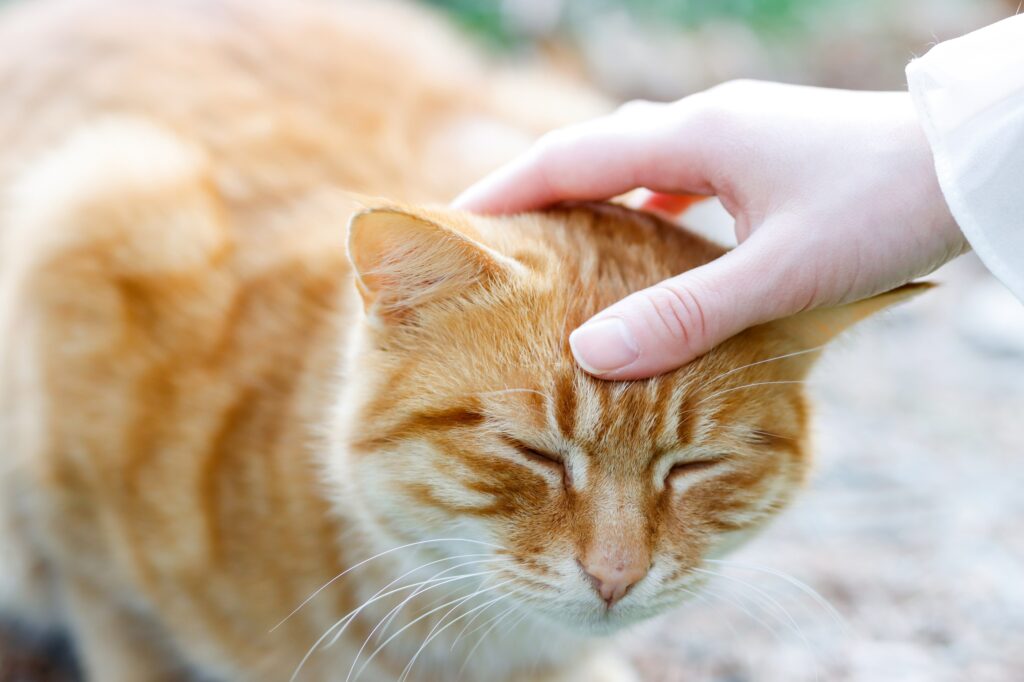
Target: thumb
669,324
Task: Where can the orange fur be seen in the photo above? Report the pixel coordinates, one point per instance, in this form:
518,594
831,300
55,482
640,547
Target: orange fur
208,410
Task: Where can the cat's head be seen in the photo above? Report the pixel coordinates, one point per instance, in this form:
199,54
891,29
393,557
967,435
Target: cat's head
467,418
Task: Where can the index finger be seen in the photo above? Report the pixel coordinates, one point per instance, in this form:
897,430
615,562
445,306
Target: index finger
660,148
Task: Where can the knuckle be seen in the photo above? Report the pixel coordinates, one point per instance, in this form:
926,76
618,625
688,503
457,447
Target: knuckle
561,140
554,147
552,155
733,88
637,107
721,116
716,114
679,313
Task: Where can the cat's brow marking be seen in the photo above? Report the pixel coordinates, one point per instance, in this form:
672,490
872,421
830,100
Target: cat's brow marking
422,422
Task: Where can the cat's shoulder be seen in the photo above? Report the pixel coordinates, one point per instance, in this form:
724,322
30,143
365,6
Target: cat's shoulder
109,225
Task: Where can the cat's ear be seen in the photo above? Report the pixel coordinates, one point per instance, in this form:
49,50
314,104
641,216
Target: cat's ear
817,327
405,259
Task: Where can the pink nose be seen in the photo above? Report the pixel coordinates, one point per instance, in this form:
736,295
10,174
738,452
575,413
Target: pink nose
612,579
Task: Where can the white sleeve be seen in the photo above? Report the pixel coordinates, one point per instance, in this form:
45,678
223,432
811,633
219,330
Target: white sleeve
969,95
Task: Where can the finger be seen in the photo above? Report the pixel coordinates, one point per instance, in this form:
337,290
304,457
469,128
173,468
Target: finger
665,326
658,147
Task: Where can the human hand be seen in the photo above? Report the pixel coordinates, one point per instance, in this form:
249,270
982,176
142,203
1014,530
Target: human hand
834,194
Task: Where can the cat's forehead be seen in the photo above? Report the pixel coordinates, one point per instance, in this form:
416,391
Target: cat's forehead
604,250
644,419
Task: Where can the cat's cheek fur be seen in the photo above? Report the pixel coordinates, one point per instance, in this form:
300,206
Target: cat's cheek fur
411,500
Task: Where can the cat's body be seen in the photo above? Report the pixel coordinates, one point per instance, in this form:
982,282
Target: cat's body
200,426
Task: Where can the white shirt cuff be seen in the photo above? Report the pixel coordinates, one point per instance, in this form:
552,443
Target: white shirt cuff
969,96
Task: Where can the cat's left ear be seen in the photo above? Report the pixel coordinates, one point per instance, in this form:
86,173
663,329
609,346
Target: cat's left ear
404,260
814,329
818,327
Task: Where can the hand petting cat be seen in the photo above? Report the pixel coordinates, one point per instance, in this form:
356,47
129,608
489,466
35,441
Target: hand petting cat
834,193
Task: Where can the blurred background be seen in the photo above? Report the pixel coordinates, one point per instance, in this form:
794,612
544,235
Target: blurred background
664,49
904,559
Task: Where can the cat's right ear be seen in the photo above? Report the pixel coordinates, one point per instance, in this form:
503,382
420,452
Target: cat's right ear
404,260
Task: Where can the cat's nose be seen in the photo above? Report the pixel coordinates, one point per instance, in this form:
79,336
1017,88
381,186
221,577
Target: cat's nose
612,576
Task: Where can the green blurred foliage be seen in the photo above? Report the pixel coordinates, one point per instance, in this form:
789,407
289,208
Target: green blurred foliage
487,19
761,14
481,17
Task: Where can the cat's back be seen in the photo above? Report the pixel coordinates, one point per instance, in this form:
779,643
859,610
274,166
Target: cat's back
283,95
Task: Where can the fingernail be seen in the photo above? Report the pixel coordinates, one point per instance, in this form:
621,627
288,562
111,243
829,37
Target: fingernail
604,345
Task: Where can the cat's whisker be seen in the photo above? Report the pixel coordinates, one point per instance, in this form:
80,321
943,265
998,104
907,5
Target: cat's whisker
349,678
346,620
512,625
803,587
391,618
747,612
430,634
385,623
373,558
771,434
734,370
793,625
431,563
421,587
435,632
764,595
466,632
507,391
494,622
728,622
755,384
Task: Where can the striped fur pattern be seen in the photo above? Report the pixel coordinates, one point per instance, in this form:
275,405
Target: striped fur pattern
240,442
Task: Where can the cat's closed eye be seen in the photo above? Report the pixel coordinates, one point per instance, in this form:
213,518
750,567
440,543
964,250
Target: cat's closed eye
681,469
549,460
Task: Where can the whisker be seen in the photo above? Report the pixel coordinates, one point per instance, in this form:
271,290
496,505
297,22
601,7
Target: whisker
346,620
512,626
466,632
754,364
408,625
432,634
794,626
394,612
771,600
437,561
374,557
705,598
815,596
515,390
738,388
466,627
434,582
421,587
740,605
494,623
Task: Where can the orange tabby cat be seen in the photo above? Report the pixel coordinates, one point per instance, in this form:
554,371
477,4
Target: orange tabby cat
211,409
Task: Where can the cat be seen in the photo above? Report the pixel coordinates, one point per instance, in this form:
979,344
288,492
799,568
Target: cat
242,441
